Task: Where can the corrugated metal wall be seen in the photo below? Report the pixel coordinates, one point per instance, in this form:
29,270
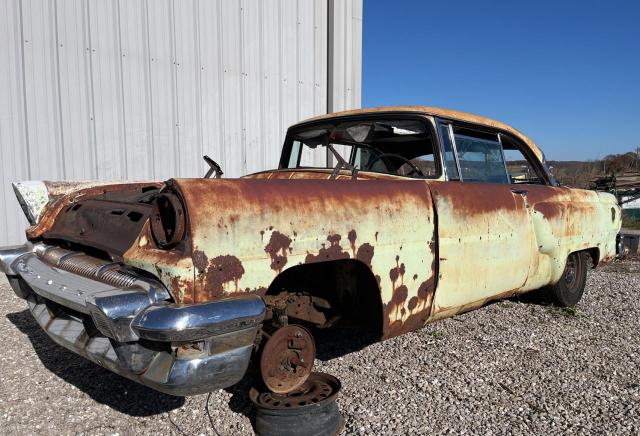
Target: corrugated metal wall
141,89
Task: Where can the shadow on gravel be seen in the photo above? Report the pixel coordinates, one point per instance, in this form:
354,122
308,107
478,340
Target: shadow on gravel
334,343
100,384
537,297
240,402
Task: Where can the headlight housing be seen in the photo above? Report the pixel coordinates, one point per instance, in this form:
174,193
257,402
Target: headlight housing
168,220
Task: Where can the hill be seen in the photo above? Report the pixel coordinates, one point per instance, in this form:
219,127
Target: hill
581,174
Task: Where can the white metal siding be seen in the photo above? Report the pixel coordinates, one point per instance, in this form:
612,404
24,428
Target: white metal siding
345,62
141,89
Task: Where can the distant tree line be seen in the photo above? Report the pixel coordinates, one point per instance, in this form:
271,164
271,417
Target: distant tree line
580,174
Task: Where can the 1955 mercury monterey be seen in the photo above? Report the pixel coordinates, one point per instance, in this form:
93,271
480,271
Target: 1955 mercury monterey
381,219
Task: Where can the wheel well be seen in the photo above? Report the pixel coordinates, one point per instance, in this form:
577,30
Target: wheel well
348,286
594,254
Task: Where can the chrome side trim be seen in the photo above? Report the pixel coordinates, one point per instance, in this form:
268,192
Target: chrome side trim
168,322
9,255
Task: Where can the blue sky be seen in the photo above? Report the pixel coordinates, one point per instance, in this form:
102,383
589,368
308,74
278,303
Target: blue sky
566,73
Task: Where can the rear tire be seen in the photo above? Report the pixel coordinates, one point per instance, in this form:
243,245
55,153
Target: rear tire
568,291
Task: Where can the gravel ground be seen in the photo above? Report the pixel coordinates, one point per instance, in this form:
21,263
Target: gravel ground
513,367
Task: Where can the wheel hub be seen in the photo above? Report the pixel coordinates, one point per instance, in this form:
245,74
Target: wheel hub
570,273
287,358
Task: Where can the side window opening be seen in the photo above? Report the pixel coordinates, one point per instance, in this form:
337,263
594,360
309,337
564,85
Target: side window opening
519,167
426,163
480,156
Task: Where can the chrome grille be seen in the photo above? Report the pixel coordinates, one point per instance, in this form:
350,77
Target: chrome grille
102,322
87,266
117,278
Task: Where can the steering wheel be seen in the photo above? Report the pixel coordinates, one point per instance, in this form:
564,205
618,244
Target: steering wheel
414,168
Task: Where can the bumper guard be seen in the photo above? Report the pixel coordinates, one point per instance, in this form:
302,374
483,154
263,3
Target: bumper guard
135,331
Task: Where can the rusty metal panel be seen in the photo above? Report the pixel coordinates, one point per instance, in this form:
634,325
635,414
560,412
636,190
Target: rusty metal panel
485,243
568,220
240,247
514,242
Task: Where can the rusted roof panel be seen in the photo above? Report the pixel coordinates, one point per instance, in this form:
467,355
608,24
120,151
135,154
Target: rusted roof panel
438,112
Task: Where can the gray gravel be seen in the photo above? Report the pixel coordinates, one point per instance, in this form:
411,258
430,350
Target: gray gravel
514,367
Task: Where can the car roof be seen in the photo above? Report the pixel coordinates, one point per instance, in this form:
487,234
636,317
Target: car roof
438,112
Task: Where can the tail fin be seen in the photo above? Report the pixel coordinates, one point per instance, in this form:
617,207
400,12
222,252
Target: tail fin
33,196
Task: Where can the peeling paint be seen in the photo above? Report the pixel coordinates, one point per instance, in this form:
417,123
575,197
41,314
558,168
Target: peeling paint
434,248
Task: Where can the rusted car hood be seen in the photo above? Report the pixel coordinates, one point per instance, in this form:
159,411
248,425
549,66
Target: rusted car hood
103,215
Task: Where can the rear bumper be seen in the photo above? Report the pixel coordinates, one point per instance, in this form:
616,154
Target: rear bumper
627,244
135,331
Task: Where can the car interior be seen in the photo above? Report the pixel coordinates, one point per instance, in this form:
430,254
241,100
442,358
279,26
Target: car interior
406,147
403,147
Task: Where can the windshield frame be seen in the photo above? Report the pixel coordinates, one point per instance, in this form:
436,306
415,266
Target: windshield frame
427,121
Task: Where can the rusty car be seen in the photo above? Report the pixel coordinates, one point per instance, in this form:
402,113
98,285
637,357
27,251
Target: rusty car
379,219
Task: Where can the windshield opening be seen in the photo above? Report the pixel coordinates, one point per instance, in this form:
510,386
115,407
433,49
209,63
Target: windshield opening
397,146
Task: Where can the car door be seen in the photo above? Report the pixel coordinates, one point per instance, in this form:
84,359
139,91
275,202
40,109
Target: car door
484,229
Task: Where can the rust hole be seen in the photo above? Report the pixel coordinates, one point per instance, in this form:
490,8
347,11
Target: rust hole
135,216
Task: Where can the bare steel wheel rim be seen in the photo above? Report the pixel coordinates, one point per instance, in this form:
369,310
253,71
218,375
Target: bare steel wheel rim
317,389
571,272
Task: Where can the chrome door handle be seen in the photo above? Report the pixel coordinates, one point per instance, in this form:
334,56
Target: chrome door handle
522,192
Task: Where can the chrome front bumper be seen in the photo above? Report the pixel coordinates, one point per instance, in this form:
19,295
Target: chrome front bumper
135,331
